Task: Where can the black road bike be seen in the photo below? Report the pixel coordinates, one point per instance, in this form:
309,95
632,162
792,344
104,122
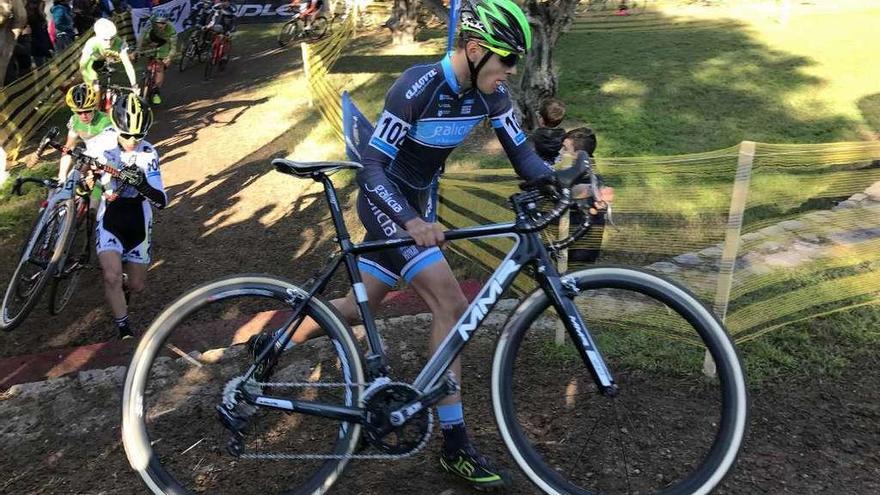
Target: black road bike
196,47
623,407
59,246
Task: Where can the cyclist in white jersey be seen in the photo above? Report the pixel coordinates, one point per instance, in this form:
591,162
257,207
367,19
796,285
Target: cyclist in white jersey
125,216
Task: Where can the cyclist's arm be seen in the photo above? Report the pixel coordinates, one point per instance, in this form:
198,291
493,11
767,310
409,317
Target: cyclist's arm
394,123
85,64
172,40
66,160
526,162
152,188
129,67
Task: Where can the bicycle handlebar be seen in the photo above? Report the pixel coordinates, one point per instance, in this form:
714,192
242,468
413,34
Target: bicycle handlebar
557,187
78,155
19,181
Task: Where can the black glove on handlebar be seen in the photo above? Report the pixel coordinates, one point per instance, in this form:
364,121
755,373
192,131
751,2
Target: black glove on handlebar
133,176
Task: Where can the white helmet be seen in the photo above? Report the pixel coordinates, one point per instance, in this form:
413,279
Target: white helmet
105,30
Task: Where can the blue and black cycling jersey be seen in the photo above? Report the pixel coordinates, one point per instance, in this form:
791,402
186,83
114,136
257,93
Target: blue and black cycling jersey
426,115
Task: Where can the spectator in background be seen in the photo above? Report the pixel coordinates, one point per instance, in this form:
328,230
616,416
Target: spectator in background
62,17
13,19
41,44
547,137
83,15
106,8
588,248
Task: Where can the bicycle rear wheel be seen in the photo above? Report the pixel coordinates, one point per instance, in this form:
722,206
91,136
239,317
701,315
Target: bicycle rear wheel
670,429
79,242
36,265
193,351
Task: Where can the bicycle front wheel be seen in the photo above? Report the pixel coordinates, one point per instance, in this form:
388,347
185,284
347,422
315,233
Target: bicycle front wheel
75,256
319,28
289,31
213,60
193,355
187,53
37,264
669,430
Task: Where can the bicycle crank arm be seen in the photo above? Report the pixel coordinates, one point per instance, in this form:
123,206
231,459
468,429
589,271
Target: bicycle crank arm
402,415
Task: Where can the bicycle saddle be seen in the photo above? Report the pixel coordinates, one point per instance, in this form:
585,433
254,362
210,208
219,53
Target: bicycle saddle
308,169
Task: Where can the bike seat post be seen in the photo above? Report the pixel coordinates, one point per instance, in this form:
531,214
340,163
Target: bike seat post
342,236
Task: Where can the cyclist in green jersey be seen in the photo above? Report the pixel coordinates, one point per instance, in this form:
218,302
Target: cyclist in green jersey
85,123
162,36
103,48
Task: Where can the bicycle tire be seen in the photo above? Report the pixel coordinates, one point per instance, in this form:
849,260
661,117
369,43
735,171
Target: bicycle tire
188,52
58,229
151,381
64,283
319,28
289,31
604,286
211,63
204,47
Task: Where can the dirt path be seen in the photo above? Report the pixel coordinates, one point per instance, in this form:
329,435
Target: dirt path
807,436
228,212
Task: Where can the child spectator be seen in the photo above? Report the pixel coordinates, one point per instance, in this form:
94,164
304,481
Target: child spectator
547,137
587,249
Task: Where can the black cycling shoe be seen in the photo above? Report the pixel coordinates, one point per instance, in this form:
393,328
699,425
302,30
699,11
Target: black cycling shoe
125,333
256,345
468,465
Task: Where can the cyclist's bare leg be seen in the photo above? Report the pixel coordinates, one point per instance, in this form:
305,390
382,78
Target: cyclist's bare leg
160,73
137,276
437,286
376,290
111,264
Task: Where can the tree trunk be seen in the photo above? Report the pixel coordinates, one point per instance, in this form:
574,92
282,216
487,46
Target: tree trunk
402,22
549,19
437,8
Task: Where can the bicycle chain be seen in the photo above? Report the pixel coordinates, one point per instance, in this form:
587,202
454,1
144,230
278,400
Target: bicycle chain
290,457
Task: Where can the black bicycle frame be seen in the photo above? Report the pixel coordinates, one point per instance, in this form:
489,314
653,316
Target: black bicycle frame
528,248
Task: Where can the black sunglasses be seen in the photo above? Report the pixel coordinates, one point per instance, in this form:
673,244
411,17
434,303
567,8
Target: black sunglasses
83,112
509,60
124,135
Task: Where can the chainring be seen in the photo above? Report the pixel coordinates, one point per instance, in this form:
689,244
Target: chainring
379,431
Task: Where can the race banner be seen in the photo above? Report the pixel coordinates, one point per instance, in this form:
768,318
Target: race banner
176,11
274,11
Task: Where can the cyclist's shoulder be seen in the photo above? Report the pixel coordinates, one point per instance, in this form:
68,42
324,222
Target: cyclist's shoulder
91,45
417,81
498,101
102,142
102,120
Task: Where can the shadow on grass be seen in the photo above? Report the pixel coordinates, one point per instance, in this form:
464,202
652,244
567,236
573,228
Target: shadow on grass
669,91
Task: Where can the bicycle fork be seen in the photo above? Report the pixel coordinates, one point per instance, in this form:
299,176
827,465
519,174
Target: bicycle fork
562,291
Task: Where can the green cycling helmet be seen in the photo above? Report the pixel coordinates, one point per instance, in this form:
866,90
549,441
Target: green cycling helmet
500,24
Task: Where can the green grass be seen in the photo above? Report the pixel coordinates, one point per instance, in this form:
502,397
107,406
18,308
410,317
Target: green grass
663,90
17,212
683,86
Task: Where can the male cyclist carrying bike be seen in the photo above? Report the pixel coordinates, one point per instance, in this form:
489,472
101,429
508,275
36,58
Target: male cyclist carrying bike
428,112
103,48
161,36
125,217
